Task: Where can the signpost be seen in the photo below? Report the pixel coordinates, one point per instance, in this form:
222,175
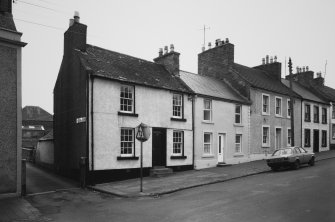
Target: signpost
142,134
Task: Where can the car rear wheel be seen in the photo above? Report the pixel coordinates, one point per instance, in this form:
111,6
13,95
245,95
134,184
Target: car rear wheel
312,162
296,165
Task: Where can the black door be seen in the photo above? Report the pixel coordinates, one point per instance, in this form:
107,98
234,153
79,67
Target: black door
158,147
316,141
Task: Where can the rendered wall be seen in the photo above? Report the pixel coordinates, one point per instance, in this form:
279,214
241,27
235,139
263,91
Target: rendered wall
45,152
154,108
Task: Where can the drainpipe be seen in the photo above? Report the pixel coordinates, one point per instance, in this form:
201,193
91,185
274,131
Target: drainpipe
87,121
301,125
92,123
193,130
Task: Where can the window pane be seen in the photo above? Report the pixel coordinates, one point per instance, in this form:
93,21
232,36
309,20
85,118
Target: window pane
207,115
207,138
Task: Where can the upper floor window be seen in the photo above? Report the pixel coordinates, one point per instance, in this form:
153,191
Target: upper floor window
278,106
238,143
333,112
289,140
127,99
333,131
266,136
316,114
265,104
238,114
207,110
307,137
177,107
324,115
288,108
307,113
207,143
178,142
127,141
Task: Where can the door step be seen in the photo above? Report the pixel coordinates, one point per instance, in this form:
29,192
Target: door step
160,171
223,165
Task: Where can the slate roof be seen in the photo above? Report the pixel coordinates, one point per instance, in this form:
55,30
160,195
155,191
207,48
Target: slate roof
35,113
260,79
49,136
303,91
121,67
326,92
209,86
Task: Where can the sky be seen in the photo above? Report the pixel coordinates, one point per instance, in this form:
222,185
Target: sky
300,29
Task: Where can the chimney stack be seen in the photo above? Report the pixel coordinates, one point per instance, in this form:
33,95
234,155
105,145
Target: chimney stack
272,67
170,60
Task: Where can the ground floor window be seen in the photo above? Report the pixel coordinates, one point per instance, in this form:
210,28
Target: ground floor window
324,138
266,136
238,143
178,142
289,141
127,141
333,131
307,137
208,143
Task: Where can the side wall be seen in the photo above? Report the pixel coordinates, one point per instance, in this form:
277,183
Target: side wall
223,122
154,108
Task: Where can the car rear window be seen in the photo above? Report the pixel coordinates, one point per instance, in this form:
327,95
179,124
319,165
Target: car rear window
282,152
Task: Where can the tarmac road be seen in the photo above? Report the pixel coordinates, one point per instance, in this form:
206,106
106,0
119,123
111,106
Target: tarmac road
307,194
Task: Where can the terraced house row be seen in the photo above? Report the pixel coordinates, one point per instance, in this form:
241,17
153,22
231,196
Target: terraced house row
227,113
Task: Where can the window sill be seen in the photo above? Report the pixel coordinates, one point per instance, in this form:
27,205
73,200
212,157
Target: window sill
307,121
178,157
265,146
178,119
127,114
280,116
238,155
308,146
127,158
266,114
208,156
207,122
238,125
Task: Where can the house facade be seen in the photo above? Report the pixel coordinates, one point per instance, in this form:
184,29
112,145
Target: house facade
270,119
10,97
101,97
221,122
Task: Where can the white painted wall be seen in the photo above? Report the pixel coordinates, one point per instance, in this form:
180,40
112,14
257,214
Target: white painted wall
223,121
154,107
45,152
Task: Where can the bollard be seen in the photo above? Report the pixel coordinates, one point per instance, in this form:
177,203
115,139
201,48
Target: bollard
82,168
23,178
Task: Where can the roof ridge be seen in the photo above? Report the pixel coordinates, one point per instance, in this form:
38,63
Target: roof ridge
124,54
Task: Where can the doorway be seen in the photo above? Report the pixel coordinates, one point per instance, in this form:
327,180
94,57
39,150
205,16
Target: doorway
278,138
158,147
221,147
315,141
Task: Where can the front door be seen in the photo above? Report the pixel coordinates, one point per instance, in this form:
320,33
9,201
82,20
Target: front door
158,147
316,141
278,138
221,147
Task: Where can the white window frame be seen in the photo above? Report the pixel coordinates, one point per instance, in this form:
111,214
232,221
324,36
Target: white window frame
127,141
289,136
238,114
280,114
326,114
210,143
238,150
210,110
288,108
322,133
268,105
177,105
132,98
268,143
310,112
177,141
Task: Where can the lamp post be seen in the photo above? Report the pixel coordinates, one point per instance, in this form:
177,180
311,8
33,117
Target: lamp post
142,134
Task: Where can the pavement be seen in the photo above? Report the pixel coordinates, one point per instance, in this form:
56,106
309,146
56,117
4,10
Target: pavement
153,186
20,209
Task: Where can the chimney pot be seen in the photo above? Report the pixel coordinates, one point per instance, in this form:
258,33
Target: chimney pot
160,52
71,22
303,69
165,49
76,17
227,40
307,68
267,59
263,61
217,42
275,58
271,59
171,48
209,45
203,48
